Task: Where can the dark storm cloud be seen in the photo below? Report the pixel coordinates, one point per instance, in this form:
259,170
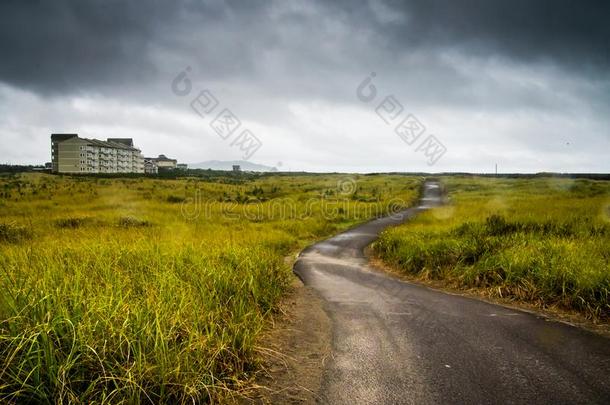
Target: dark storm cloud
68,45
574,33
63,46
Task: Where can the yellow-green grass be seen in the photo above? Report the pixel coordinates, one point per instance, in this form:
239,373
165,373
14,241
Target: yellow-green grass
155,291
541,240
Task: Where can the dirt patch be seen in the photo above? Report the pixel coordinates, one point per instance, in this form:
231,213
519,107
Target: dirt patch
295,349
488,295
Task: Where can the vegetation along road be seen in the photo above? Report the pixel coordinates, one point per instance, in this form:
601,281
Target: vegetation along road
396,342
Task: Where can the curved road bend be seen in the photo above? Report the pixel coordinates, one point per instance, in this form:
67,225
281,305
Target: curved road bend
395,342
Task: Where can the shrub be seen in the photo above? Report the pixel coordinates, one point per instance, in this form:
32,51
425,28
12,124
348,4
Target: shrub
132,222
13,233
174,199
497,225
71,222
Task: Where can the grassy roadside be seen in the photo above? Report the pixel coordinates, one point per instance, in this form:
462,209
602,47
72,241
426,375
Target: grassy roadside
543,241
156,291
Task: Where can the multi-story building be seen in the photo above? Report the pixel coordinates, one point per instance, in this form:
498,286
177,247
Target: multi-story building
71,154
161,163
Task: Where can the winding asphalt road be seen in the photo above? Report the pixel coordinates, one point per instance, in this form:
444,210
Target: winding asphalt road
396,342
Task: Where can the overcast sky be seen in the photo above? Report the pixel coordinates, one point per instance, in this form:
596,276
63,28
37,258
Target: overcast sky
521,83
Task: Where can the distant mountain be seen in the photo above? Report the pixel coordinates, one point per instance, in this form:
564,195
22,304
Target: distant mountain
228,165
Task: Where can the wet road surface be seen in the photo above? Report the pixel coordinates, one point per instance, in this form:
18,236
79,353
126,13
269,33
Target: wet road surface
395,342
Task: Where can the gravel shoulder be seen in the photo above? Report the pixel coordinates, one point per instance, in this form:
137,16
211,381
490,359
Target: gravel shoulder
297,346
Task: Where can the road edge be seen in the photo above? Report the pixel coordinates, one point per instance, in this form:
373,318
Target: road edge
551,314
297,342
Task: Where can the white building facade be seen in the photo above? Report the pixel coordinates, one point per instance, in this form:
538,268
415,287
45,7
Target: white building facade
71,154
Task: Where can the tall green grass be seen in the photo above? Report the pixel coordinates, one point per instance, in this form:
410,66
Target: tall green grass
111,294
545,241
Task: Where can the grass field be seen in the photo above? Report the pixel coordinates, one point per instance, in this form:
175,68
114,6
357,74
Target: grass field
155,291
543,240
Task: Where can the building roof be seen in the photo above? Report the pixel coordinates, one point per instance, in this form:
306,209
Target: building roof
111,144
97,142
116,143
120,145
124,141
163,158
62,137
